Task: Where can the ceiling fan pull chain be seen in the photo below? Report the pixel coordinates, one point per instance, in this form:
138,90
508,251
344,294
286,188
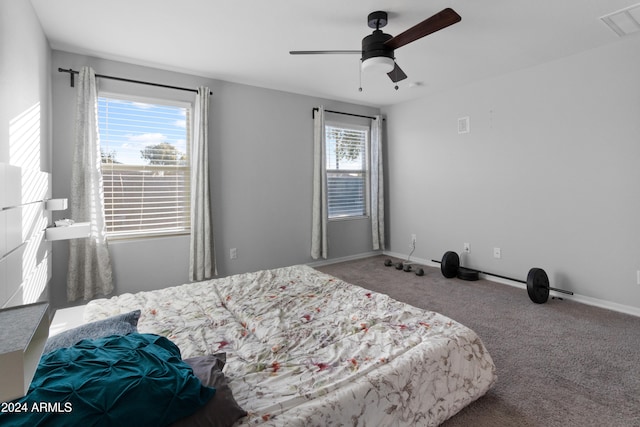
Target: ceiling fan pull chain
360,77
395,71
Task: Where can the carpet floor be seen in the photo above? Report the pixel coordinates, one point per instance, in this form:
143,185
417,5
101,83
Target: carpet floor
561,363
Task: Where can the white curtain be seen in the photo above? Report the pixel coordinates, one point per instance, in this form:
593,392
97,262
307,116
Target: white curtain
377,184
89,272
319,214
202,264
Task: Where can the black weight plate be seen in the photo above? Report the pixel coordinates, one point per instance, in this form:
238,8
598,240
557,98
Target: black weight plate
388,262
467,274
407,268
398,265
449,265
538,285
419,272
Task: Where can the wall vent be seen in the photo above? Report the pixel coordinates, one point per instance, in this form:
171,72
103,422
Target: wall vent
625,21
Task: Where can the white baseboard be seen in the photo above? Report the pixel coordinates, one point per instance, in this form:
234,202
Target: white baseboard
330,261
609,305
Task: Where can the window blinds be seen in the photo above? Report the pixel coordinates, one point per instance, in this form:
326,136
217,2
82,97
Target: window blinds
145,167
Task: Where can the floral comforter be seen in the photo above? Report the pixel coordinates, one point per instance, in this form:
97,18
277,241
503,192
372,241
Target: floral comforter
307,349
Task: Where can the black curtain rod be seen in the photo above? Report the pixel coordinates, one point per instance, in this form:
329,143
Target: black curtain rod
344,114
72,73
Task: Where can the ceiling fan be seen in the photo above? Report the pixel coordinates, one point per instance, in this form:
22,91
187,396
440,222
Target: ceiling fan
378,47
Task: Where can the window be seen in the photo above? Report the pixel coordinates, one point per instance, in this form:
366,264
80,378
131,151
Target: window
347,151
145,166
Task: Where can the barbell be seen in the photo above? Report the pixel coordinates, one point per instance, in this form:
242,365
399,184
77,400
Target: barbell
537,280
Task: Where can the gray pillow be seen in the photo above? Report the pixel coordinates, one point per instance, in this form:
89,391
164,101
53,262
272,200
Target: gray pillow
121,324
221,410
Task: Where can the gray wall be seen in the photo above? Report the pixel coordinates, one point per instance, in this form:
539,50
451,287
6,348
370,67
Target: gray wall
25,82
549,173
25,154
260,159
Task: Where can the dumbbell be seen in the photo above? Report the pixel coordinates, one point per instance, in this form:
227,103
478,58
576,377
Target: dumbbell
405,267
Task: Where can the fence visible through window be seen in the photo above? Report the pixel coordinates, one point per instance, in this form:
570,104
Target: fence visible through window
153,199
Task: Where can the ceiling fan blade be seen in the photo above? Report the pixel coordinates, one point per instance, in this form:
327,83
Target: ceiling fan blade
396,74
323,52
430,25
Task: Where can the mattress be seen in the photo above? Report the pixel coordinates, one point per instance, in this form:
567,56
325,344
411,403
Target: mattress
307,349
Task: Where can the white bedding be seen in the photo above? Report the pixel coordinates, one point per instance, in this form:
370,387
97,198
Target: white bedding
307,349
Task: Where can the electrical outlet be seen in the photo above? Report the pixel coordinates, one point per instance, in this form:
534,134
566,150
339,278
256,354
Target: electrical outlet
413,240
467,248
497,253
233,253
638,277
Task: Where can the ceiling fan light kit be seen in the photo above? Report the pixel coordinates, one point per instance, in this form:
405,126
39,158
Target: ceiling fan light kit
380,64
378,48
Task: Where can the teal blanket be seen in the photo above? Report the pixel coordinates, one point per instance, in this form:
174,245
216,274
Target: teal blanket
120,380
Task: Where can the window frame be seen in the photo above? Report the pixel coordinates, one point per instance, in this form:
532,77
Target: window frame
151,233
366,169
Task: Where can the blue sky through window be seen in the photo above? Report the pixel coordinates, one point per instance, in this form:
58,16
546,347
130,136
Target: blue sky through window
127,127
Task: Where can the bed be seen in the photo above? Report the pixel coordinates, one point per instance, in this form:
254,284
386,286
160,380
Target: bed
305,348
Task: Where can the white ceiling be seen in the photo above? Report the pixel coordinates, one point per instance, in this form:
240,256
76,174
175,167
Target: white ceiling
249,41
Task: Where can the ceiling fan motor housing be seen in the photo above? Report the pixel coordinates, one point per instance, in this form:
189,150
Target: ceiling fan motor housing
377,19
373,45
